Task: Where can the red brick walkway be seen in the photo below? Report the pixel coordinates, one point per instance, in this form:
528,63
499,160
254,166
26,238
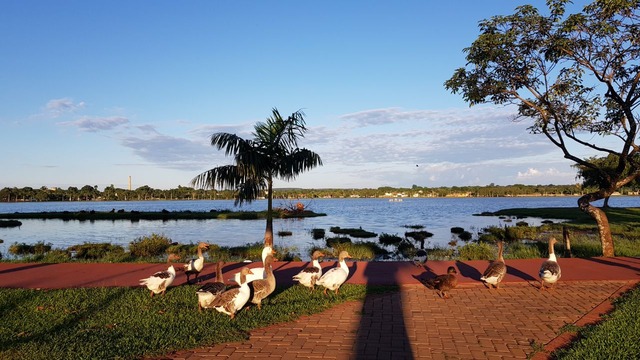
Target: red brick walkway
514,322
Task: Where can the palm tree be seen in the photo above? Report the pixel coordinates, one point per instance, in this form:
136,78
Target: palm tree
273,153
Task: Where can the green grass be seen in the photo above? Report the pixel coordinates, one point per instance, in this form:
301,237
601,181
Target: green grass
617,337
126,323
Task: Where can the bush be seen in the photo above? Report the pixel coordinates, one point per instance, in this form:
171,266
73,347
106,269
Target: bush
154,245
477,251
358,233
335,241
88,251
39,248
465,236
388,239
457,230
283,233
317,234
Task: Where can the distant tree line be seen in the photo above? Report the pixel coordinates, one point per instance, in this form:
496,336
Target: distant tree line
112,193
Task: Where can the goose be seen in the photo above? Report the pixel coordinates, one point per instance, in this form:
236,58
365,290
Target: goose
232,300
257,272
264,287
420,257
161,280
550,269
335,277
310,275
495,272
194,266
443,283
209,291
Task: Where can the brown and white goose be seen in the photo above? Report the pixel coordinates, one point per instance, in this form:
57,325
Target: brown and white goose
310,275
550,269
495,272
264,287
232,300
195,266
443,283
209,291
335,277
161,280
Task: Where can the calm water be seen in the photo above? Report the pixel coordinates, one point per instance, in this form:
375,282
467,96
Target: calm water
377,215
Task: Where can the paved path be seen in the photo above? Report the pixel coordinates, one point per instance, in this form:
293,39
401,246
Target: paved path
477,323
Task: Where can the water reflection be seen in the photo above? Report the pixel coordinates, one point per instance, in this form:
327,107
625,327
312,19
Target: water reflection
437,216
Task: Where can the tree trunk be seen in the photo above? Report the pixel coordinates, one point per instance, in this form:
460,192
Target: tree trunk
268,233
567,242
606,202
604,231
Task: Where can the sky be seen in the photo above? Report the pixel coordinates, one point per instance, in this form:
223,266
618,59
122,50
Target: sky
95,92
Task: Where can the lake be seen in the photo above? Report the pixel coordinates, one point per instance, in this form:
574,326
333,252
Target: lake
437,215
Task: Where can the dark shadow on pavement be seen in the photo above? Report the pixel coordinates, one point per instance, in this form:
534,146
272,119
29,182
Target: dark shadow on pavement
522,275
613,263
26,267
382,333
468,271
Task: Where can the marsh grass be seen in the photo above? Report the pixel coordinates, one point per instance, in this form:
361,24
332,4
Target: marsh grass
126,323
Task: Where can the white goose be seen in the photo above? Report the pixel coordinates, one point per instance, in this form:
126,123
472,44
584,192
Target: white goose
257,272
550,269
209,291
195,266
335,277
232,300
161,280
310,275
495,272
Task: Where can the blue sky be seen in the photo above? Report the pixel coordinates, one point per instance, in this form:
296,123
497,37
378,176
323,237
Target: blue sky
93,92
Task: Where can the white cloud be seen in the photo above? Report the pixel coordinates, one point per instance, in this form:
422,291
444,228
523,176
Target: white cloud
94,124
58,107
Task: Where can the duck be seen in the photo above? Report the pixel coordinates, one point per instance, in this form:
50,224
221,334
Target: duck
209,291
550,271
495,272
335,277
420,258
443,283
195,266
161,280
310,275
257,272
232,300
264,287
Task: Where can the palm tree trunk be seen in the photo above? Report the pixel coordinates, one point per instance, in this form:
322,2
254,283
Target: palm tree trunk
601,220
268,233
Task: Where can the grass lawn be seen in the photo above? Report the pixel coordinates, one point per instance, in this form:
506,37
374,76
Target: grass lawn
126,323
617,337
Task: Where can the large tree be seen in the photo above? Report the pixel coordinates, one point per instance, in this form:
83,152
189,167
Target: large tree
575,77
273,153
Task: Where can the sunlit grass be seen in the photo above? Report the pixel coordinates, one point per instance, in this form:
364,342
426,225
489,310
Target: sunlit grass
109,323
617,337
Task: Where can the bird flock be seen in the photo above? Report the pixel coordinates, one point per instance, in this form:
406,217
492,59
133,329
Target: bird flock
256,284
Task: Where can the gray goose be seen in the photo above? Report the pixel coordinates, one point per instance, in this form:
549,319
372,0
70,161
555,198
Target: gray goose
495,272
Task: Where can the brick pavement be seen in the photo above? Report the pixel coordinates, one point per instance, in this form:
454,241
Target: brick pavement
513,322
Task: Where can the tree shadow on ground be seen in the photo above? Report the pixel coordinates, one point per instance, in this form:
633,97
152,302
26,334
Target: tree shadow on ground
382,331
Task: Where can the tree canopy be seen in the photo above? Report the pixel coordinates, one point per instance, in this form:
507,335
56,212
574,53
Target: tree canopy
575,77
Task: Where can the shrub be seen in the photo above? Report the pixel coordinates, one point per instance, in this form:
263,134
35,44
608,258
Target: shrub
388,239
317,234
358,233
88,251
283,233
477,251
38,248
457,230
418,235
154,245
465,236
334,241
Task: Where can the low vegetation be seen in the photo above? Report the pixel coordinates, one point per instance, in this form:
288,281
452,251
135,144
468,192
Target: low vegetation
77,323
